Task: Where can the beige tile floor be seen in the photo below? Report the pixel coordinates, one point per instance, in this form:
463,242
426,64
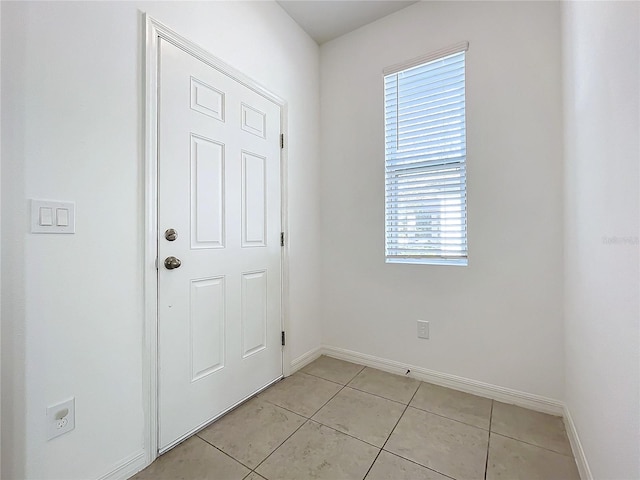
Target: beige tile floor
337,420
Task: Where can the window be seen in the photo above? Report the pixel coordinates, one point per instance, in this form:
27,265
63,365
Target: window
425,156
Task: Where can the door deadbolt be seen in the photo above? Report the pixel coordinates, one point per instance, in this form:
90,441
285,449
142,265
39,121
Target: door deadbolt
172,262
171,234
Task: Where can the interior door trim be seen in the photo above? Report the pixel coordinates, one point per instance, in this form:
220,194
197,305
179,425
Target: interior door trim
153,32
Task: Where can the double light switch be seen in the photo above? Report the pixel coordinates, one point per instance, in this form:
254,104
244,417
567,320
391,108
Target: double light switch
52,217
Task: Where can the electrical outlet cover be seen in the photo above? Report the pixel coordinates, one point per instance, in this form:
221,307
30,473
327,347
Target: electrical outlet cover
423,329
61,418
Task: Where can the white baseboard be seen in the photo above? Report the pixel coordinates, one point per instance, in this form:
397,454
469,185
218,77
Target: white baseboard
576,446
502,394
305,359
127,467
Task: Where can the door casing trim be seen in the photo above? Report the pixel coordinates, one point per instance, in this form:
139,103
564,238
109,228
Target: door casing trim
153,31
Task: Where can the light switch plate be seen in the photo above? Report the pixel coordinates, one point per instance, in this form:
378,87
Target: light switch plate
56,214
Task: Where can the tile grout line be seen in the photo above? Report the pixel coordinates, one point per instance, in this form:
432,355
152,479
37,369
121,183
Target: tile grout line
311,419
375,395
418,464
391,433
282,443
321,378
330,428
280,406
333,381
275,449
225,453
292,433
486,462
343,433
409,404
308,419
400,418
374,462
325,403
348,384
334,396
449,418
420,382
408,459
534,445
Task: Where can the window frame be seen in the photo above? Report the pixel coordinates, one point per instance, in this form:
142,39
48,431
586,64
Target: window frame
449,167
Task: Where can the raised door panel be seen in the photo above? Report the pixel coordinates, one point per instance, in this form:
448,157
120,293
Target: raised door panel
207,322
207,100
254,202
207,193
253,120
254,312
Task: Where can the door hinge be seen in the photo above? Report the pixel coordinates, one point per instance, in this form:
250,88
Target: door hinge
283,338
282,140
282,239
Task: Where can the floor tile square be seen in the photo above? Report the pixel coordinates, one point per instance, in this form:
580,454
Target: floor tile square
391,467
319,452
446,446
301,393
387,385
537,428
194,459
333,369
367,417
453,404
514,460
252,431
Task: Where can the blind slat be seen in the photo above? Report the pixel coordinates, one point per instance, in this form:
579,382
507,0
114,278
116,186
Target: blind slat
412,164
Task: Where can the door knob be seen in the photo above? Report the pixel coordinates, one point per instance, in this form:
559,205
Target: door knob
172,262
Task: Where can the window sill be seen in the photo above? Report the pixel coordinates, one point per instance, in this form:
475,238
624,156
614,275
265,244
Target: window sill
455,262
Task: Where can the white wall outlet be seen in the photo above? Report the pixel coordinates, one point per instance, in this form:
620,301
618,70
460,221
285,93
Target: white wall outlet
423,329
61,418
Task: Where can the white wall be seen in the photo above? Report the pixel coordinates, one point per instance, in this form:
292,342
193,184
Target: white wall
602,275
72,128
499,320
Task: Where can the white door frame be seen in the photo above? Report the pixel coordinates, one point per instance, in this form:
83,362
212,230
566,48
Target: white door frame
155,30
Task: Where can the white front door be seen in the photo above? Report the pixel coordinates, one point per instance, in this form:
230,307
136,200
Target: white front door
219,190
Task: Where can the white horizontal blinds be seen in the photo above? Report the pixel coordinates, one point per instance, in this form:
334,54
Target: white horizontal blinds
425,161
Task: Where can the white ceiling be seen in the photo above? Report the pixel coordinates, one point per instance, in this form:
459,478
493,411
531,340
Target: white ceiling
325,20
